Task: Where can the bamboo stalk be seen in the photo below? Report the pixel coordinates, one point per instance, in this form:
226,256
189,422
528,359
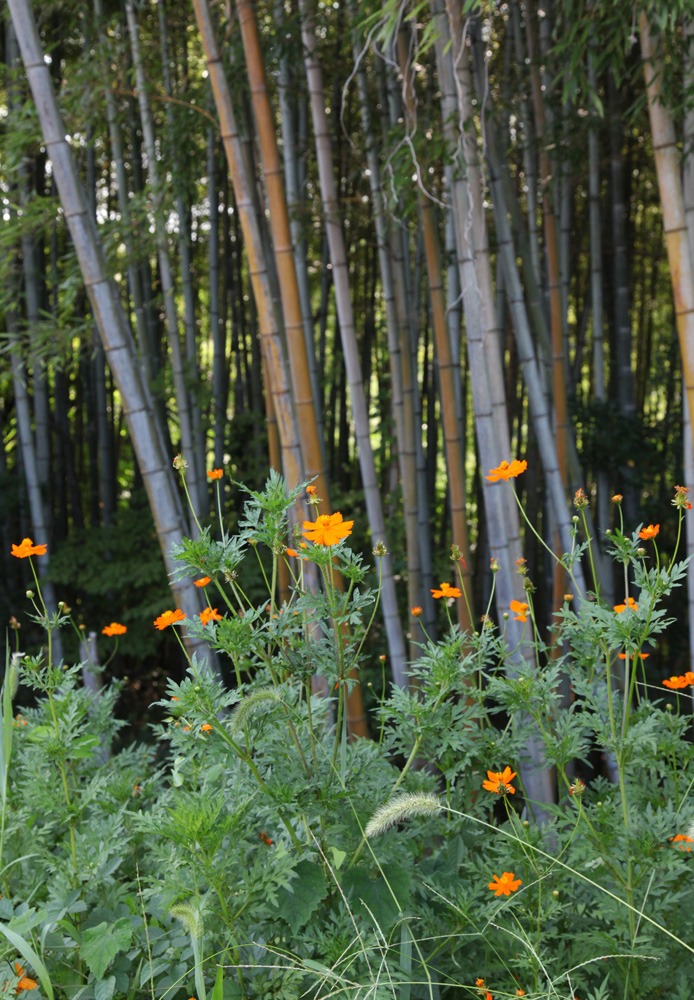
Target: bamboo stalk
672,201
108,313
340,275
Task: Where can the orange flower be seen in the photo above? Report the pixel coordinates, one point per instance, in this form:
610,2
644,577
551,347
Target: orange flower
650,532
115,628
617,498
447,591
168,618
24,982
27,548
675,682
311,490
205,728
328,529
479,982
215,473
506,471
631,605
520,610
202,582
500,781
291,552
682,840
520,992
642,656
416,611
688,678
210,615
505,885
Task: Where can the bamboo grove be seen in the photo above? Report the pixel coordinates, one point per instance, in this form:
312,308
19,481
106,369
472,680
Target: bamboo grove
382,247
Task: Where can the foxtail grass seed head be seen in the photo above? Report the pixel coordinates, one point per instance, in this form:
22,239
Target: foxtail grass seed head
13,673
401,808
250,705
190,917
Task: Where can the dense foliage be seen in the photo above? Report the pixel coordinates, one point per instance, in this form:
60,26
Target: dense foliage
258,852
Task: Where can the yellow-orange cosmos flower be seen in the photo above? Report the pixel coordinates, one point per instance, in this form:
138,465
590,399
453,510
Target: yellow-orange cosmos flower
447,591
202,582
683,681
24,982
520,610
327,529
631,605
210,615
215,473
505,885
27,548
500,781
115,628
649,532
168,618
507,471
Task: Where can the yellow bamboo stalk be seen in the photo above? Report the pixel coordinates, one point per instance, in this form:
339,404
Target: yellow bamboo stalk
284,255
667,163
241,179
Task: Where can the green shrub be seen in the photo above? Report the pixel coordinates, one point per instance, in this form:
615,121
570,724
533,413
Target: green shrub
270,855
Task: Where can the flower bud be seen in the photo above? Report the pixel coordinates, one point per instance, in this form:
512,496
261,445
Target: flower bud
568,598
580,499
382,658
30,594
575,519
641,551
555,893
14,623
494,565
